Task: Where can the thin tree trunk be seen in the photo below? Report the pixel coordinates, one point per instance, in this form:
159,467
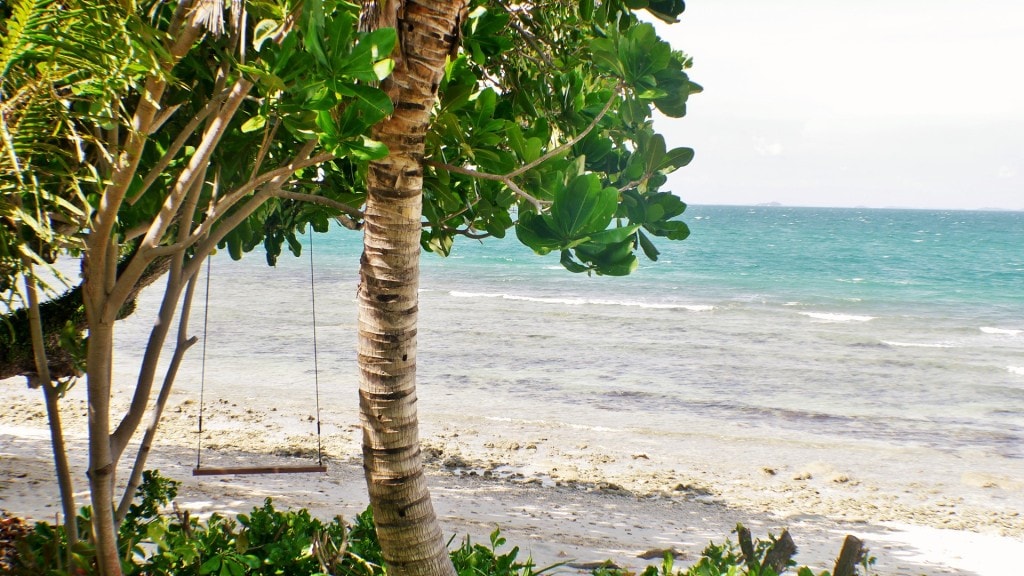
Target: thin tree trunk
407,526
101,464
182,345
98,280
51,395
60,460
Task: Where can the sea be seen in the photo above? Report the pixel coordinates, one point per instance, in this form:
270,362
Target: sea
900,328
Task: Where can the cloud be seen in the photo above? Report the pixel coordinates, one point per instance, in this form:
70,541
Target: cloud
764,147
1006,172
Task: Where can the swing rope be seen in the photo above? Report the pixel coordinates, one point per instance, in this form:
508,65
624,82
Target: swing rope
202,371
316,367
199,470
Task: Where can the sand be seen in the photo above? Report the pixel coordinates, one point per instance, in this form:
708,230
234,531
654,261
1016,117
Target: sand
570,495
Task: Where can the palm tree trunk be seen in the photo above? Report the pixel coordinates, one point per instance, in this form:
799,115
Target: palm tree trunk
410,536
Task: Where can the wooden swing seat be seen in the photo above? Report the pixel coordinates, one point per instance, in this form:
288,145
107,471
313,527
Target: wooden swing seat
201,470
239,470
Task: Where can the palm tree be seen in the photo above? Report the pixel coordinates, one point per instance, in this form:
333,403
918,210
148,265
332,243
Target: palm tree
407,526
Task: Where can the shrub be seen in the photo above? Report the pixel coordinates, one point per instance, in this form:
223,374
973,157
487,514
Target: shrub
271,542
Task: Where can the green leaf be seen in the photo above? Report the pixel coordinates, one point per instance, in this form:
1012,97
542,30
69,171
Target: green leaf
670,204
675,230
614,235
361,62
263,31
211,565
485,104
571,264
648,247
253,124
666,10
583,207
362,148
533,231
605,57
311,21
383,68
675,159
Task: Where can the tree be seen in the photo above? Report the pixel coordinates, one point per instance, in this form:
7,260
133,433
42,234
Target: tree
160,132
140,136
555,98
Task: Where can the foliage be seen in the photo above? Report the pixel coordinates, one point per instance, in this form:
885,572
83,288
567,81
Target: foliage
143,135
545,125
479,560
264,542
268,541
727,559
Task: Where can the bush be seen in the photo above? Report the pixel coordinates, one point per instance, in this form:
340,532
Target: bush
271,542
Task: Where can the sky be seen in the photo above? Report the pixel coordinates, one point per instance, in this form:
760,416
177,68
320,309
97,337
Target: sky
897,103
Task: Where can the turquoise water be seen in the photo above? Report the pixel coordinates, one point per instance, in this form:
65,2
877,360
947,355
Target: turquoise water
899,327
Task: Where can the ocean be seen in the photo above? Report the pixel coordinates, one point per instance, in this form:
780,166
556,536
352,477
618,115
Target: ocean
894,328
848,368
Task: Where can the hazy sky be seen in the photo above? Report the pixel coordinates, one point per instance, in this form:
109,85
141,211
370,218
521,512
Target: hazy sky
906,103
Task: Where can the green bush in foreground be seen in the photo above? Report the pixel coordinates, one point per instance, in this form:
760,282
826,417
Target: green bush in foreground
271,542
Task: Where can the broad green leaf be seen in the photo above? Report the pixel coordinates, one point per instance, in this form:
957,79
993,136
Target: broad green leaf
666,10
578,205
670,204
675,230
311,21
485,104
383,68
605,56
614,235
516,142
263,31
621,268
534,231
211,565
381,43
361,62
532,149
571,264
675,158
362,148
647,246
253,124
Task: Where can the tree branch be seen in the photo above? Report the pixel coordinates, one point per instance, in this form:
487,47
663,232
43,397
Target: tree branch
572,142
503,178
113,195
176,146
186,179
220,209
507,179
321,200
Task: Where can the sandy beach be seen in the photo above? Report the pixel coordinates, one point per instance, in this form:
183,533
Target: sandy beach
567,495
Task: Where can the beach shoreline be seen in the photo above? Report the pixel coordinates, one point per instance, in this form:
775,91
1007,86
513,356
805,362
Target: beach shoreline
562,493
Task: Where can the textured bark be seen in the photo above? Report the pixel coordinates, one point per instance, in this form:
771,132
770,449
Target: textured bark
410,536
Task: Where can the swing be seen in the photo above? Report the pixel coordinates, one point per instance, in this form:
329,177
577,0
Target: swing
201,470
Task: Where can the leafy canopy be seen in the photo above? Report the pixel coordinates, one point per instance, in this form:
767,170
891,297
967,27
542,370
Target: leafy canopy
545,125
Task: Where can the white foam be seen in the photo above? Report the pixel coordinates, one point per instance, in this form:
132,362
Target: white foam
836,317
1006,331
584,301
916,344
1018,370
